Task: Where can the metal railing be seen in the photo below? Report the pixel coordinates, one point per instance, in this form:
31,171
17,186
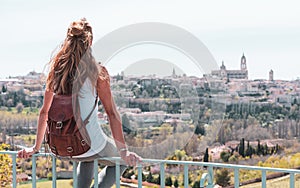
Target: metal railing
206,177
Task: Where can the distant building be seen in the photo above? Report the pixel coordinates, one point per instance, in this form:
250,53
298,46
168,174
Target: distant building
271,75
225,74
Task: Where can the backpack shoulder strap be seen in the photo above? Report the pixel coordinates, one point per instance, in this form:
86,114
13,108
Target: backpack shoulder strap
86,121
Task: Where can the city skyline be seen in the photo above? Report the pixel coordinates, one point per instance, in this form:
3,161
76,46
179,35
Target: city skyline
267,32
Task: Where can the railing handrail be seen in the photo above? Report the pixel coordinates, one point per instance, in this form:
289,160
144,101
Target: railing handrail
209,165
197,163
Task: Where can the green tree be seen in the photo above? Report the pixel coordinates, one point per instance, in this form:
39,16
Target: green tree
176,184
277,148
206,156
196,184
249,150
4,89
265,150
169,181
150,178
157,180
259,148
200,130
242,147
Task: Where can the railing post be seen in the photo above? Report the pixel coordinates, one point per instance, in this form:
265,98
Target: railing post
14,160
140,176
211,179
75,164
53,172
162,175
292,180
263,179
33,171
118,174
203,179
186,175
96,181
236,178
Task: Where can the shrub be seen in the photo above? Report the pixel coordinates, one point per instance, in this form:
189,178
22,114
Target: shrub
222,177
176,184
49,176
225,156
169,181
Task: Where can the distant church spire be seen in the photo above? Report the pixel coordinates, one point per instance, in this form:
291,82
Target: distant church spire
223,66
173,73
243,63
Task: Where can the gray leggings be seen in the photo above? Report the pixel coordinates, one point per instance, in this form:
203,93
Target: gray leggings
107,175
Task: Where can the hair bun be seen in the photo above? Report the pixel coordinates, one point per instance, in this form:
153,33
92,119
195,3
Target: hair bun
76,29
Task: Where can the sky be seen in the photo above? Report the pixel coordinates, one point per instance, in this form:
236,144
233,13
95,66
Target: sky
267,32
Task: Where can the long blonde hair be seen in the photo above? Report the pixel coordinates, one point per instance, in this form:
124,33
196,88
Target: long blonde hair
74,61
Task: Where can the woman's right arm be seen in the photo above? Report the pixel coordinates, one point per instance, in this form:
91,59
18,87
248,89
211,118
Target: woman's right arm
41,128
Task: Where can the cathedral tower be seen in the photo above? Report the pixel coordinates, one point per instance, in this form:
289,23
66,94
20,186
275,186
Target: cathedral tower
271,75
243,63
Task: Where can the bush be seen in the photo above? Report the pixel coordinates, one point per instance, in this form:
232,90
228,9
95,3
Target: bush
196,184
150,178
49,176
225,156
128,173
176,184
5,168
233,158
222,177
169,181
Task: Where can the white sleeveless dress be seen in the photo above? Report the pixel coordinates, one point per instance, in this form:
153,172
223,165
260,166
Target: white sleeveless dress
86,102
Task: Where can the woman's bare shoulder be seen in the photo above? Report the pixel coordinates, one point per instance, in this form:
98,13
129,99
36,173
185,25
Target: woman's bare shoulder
103,74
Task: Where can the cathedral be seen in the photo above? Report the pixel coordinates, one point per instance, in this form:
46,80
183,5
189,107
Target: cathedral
223,73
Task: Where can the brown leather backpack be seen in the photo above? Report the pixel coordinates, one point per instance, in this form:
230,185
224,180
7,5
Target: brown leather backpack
66,133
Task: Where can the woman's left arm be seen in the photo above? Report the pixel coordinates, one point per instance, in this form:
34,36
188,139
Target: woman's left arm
105,95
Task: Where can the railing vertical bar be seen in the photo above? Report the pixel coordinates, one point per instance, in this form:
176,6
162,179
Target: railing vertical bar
53,172
140,176
236,178
162,175
292,180
33,171
14,160
118,185
96,181
211,174
263,179
186,175
75,164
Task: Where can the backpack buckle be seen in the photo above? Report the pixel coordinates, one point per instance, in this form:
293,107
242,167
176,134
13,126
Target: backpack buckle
70,149
83,142
59,124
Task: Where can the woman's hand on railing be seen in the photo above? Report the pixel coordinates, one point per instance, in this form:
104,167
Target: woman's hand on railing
27,152
130,158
